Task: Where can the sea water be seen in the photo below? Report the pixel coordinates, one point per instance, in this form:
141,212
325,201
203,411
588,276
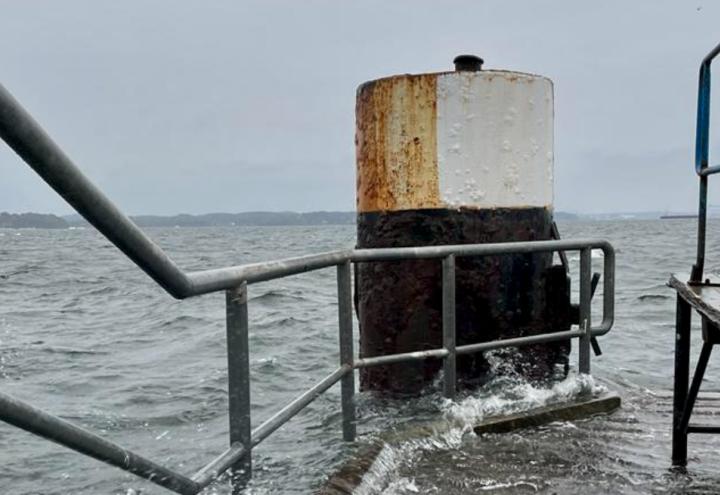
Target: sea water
86,335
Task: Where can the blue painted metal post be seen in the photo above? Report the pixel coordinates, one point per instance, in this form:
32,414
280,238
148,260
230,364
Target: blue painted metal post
347,383
239,381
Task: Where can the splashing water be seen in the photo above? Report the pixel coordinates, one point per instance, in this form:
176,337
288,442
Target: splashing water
502,396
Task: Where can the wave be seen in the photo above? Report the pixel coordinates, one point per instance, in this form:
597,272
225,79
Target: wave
652,297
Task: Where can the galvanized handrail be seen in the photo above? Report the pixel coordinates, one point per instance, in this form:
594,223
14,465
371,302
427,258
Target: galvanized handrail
26,137
702,155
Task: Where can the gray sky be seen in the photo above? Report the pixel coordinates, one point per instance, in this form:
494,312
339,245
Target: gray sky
232,106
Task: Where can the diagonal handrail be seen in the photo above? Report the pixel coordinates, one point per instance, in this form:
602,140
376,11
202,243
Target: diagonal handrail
29,418
28,139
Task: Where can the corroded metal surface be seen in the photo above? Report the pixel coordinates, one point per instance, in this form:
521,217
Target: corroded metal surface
397,144
399,303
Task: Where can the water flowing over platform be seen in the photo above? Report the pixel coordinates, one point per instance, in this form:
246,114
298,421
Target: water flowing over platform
351,475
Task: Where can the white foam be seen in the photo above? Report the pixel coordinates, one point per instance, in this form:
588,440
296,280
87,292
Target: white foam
515,395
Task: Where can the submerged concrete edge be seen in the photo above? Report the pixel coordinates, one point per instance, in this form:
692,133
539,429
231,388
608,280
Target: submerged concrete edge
350,474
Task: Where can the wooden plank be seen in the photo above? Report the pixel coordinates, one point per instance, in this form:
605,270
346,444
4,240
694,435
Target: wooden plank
704,299
543,415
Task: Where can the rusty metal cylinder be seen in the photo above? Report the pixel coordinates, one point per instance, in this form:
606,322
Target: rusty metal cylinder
454,158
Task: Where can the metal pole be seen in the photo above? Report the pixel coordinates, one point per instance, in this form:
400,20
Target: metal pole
298,404
585,320
58,430
345,317
448,321
695,384
239,380
25,136
701,162
680,386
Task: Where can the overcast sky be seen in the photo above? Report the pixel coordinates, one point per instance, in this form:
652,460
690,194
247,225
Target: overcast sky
233,106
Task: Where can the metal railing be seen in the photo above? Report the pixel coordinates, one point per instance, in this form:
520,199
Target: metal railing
702,157
28,139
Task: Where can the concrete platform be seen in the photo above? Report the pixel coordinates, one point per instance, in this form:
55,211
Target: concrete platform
350,475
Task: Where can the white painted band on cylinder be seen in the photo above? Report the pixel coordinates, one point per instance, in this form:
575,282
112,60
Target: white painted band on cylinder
494,139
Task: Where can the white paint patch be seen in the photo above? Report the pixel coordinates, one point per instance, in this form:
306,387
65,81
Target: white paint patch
495,139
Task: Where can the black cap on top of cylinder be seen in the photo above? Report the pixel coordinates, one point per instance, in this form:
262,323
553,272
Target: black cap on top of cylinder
471,63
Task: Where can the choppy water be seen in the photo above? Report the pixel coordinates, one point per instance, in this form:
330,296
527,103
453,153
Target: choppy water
84,334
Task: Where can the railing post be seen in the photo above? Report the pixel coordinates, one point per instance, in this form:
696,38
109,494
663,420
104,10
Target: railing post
585,320
345,319
448,320
680,386
239,380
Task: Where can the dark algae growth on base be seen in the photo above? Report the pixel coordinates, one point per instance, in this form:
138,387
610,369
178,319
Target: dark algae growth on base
399,303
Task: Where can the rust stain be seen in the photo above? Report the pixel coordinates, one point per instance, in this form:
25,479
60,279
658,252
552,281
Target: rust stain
396,144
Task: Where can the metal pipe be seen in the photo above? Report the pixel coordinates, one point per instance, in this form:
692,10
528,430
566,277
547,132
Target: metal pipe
400,358
608,291
345,327
517,341
207,281
700,368
702,151
25,136
37,422
710,170
696,274
702,136
683,317
461,250
297,405
703,429
238,355
219,465
585,310
448,326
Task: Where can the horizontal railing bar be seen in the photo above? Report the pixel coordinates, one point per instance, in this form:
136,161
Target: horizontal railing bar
709,170
281,417
703,429
465,349
399,358
517,342
462,250
219,465
207,281
38,422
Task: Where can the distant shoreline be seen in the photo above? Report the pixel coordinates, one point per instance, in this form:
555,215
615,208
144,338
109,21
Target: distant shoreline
671,217
270,219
